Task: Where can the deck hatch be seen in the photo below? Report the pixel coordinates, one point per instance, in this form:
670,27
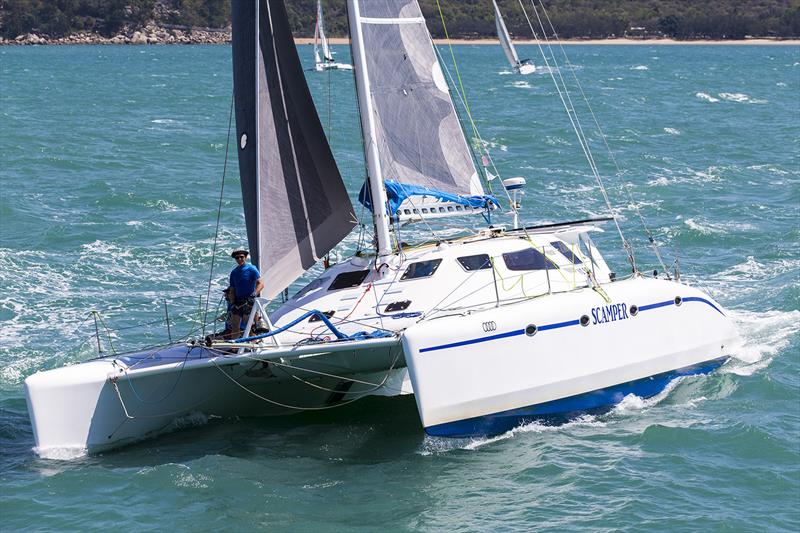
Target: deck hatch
397,306
421,269
346,280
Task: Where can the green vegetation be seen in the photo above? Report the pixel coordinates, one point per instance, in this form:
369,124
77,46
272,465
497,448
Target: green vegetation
680,19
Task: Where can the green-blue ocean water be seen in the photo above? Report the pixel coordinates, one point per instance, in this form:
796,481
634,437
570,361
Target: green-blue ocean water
111,163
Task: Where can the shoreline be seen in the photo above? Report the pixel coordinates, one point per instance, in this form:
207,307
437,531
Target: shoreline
163,36
610,41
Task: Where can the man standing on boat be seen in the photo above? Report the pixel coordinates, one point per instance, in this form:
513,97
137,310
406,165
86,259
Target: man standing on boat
246,282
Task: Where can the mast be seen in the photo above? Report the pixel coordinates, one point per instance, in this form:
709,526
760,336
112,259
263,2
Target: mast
376,187
256,255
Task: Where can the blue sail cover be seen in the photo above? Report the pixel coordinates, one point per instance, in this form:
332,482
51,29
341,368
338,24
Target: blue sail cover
397,193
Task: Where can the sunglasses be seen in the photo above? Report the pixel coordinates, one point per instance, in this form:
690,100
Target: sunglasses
239,256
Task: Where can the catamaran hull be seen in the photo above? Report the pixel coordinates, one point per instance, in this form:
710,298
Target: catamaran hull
559,355
319,67
107,403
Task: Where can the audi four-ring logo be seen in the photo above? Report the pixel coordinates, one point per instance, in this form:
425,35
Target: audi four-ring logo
489,326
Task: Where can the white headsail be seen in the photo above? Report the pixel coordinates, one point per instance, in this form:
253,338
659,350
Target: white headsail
415,146
521,67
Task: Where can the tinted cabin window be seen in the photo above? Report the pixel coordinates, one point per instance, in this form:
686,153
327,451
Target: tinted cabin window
423,269
475,262
345,280
527,259
566,252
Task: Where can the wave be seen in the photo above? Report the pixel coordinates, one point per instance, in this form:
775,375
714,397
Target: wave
741,98
707,97
640,67
764,334
720,228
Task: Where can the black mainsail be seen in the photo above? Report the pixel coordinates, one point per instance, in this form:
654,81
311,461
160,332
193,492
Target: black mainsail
295,203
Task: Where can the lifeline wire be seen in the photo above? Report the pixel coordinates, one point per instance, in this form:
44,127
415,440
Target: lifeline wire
576,126
219,213
608,148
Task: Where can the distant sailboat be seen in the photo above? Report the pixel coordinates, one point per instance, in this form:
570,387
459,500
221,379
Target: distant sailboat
524,66
323,57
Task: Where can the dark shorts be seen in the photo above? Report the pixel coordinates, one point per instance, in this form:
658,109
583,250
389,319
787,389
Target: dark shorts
243,308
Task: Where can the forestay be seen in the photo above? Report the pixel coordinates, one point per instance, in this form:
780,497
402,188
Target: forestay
415,127
296,206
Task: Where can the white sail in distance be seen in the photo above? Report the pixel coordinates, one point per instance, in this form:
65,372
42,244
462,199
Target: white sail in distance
521,67
320,40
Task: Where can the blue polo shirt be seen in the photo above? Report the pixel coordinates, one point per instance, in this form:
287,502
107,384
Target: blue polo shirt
243,280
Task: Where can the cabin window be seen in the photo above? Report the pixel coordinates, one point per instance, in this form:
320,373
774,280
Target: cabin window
317,318
422,269
397,306
527,259
566,252
345,280
475,262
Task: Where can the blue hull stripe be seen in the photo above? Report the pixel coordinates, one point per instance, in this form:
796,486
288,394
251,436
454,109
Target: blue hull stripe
656,305
475,341
698,299
564,409
558,325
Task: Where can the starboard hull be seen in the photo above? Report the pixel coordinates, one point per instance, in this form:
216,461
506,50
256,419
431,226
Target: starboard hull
559,355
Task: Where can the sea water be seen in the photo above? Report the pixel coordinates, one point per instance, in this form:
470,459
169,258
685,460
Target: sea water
112,165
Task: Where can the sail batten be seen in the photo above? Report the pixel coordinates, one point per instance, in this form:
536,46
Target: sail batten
296,206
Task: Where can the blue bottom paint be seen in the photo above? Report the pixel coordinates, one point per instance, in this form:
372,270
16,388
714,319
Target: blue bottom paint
564,409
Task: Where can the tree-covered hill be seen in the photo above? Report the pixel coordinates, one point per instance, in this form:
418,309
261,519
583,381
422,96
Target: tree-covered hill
680,19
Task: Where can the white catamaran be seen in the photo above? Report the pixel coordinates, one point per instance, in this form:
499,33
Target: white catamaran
524,66
323,56
487,331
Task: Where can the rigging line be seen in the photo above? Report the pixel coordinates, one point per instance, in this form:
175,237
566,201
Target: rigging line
455,64
219,214
283,366
295,407
608,148
108,334
301,380
129,416
572,115
171,390
484,151
589,154
580,132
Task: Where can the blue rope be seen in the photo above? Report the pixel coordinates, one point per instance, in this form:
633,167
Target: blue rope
360,335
